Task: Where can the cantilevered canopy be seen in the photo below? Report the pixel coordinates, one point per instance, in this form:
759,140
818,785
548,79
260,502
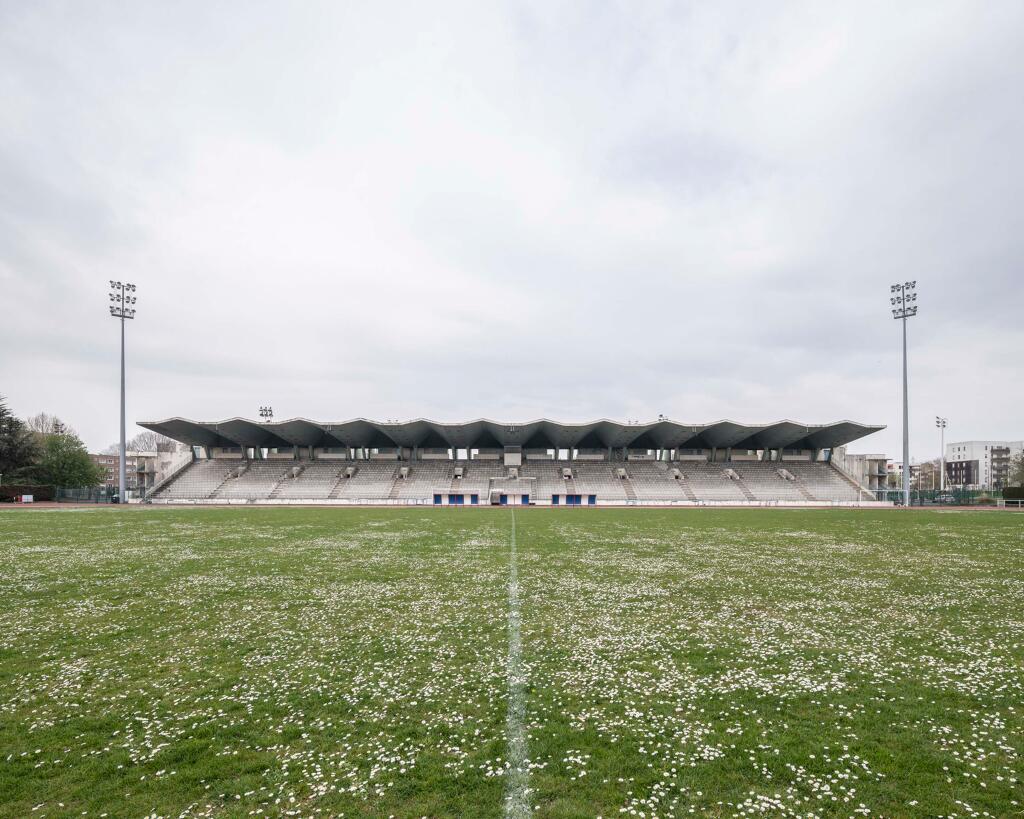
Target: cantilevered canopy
482,433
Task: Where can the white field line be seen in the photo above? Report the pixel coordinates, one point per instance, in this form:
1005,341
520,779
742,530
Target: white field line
516,786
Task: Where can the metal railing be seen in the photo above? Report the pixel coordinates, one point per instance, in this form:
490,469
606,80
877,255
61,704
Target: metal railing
86,494
940,497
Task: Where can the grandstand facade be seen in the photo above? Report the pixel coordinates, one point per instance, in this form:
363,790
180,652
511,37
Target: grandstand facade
482,462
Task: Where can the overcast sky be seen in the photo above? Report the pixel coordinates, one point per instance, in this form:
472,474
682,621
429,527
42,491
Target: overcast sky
454,210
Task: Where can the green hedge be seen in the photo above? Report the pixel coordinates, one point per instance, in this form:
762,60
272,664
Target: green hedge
1014,493
9,491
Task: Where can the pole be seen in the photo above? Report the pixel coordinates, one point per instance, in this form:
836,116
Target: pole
942,457
121,307
906,424
903,308
121,471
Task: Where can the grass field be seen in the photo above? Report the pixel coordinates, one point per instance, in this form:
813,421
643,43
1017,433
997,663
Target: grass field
359,662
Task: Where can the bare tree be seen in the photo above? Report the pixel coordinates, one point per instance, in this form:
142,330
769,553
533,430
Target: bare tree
145,441
1016,476
45,424
148,441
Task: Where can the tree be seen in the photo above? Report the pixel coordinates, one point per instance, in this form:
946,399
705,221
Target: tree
1016,476
145,441
65,462
148,441
19,447
45,424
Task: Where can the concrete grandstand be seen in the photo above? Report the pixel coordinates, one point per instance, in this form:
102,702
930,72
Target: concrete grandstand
482,462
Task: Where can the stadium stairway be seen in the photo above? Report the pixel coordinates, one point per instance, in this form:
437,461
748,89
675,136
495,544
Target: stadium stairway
687,490
276,491
738,479
396,483
825,482
860,489
799,484
627,485
163,488
682,485
339,485
220,486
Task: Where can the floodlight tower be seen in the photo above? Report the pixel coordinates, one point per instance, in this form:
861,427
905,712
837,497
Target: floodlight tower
122,306
941,424
267,414
904,308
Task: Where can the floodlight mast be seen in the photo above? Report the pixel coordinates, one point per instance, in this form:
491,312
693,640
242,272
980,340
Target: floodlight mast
267,414
122,307
941,424
904,308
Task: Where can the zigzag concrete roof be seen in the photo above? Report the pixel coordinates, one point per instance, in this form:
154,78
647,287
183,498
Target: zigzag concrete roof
483,433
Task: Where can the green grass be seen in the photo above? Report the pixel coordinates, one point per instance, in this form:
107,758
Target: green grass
235,662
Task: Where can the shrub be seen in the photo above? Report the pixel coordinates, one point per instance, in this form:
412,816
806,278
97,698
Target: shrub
1014,493
41,492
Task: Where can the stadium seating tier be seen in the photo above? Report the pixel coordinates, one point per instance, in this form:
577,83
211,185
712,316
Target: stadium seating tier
654,482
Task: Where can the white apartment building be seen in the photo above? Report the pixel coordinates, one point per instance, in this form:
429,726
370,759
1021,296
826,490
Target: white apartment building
980,464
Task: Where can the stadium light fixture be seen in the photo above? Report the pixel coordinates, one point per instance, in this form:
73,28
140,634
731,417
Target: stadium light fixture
903,298
941,424
267,414
122,306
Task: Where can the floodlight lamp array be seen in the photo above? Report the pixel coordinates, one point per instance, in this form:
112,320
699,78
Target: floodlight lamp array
902,300
122,300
